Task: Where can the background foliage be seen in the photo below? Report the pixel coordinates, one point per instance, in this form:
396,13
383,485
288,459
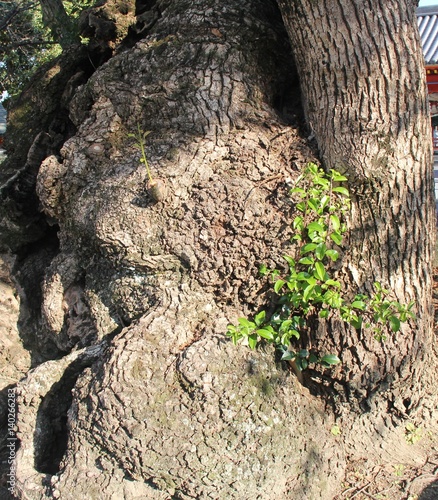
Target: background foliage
25,42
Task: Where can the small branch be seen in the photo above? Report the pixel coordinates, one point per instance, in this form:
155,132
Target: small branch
362,490
8,19
17,45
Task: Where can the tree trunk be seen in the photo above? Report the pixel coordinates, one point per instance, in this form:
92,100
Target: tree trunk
137,393
364,93
60,24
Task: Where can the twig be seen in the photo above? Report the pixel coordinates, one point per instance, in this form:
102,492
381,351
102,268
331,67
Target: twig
348,490
362,490
369,495
259,184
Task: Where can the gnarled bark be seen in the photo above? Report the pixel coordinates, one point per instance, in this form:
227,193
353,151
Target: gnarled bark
145,397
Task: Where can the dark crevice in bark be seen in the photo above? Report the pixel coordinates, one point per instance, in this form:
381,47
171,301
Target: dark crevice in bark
28,271
144,5
51,430
430,493
147,13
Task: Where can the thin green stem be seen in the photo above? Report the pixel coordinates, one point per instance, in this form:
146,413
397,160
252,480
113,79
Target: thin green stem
140,138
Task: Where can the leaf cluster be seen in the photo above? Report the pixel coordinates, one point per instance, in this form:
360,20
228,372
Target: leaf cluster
307,288
413,434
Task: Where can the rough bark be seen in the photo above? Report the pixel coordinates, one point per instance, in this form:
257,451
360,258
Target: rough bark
136,392
364,92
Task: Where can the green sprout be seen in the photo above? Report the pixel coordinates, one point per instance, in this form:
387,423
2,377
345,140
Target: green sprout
140,138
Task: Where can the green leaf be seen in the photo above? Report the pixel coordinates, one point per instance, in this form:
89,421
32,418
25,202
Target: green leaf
333,254
377,286
315,227
244,322
341,190
294,333
278,285
335,430
314,205
266,334
330,359
320,271
260,318
313,358
297,190
301,206
304,353
337,177
263,270
323,313
298,223
308,248
320,251
333,283
410,427
234,333
395,323
312,168
311,280
336,237
292,285
302,276
290,261
333,299
359,304
285,325
321,181
356,323
252,341
298,364
324,201
309,289
288,355
307,261
336,223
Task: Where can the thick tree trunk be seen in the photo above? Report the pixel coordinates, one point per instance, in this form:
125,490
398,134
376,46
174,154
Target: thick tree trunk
364,93
160,405
144,396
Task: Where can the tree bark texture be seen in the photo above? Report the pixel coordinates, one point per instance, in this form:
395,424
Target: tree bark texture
364,93
154,402
135,391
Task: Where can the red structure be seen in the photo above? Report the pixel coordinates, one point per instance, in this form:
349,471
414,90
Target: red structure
432,85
